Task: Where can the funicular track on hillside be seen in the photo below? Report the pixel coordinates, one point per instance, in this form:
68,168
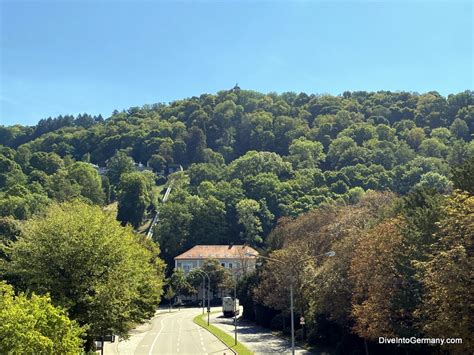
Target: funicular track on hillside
165,198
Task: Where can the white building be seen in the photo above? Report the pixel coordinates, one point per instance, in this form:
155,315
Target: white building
233,257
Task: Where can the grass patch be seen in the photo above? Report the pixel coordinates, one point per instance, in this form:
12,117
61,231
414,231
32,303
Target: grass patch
223,336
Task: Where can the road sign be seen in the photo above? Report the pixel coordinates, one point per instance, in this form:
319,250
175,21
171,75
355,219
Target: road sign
302,321
208,309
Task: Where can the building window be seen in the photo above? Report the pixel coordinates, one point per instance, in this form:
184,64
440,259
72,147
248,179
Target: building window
223,264
230,265
187,267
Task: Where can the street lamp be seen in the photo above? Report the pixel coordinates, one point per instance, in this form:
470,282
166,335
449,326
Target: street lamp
208,292
235,299
203,289
328,254
235,311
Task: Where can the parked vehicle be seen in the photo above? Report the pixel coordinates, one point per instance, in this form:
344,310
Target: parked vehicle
230,307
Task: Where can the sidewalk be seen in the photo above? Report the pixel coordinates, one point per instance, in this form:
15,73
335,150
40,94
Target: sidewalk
259,340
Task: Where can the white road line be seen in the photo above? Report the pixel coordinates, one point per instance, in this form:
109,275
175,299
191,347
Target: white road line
158,334
179,334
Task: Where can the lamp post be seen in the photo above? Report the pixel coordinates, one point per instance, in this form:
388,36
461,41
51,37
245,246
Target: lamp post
328,254
235,299
208,292
203,293
235,311
203,290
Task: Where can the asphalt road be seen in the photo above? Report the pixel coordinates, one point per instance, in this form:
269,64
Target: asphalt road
169,333
257,339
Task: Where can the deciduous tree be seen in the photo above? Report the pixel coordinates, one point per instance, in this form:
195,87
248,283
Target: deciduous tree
33,325
447,307
106,277
135,195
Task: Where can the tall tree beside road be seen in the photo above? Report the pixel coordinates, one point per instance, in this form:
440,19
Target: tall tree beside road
376,281
219,275
33,325
104,275
330,288
447,276
179,283
169,294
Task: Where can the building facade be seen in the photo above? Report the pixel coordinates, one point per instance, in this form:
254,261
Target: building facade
235,258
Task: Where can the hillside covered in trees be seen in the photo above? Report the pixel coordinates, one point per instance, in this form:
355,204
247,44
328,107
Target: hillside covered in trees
355,167
249,158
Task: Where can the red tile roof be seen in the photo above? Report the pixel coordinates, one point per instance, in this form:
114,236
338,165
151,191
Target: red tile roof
217,252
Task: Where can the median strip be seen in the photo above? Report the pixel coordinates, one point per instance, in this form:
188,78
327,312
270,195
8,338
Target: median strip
227,339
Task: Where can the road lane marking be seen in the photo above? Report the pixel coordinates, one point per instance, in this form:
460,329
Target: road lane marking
179,333
158,334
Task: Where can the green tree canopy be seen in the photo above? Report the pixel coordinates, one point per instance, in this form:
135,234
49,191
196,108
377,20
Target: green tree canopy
447,276
89,181
247,212
305,153
253,163
179,283
119,164
220,277
33,325
135,195
103,274
47,162
10,173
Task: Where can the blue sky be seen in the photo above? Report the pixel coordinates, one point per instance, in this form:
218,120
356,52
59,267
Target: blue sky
68,57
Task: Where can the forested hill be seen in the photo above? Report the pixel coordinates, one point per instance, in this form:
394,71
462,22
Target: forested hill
249,158
236,121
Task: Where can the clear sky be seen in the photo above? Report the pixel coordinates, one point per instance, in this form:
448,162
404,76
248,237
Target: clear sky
68,57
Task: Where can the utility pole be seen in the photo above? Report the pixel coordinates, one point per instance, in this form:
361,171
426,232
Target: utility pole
292,319
235,311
